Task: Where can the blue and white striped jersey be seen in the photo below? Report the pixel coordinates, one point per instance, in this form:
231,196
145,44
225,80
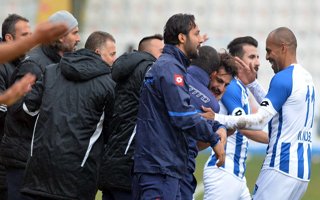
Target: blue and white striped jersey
235,101
291,98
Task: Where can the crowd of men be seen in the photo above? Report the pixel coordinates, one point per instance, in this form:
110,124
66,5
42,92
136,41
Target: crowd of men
132,126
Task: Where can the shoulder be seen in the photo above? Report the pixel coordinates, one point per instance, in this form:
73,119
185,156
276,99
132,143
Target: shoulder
235,88
285,73
35,54
169,63
283,79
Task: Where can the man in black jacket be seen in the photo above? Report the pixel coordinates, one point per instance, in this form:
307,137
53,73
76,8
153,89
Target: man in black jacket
15,144
14,27
75,101
128,71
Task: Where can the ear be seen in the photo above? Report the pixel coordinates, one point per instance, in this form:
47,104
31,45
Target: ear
97,51
182,38
8,37
284,47
61,39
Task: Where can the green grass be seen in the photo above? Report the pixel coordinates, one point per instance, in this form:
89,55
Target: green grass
253,168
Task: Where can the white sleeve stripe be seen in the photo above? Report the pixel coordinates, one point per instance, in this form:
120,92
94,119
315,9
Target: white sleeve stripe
25,108
131,139
3,108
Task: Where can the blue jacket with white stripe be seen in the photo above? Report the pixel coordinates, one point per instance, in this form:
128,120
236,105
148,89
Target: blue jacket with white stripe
166,117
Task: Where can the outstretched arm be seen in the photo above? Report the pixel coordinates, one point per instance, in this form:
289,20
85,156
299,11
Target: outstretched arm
44,33
255,121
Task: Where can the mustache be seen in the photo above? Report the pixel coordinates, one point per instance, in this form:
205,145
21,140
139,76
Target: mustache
216,91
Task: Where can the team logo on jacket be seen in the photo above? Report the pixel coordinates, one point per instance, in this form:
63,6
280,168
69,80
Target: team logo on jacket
178,79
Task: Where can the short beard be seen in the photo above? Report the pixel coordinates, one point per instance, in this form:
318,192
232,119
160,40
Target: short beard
62,47
191,53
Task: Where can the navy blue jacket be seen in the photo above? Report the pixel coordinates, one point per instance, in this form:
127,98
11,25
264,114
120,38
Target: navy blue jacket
198,81
166,117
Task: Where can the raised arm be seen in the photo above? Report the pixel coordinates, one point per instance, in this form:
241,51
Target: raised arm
44,33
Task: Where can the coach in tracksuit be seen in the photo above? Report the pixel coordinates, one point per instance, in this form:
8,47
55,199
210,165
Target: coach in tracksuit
166,118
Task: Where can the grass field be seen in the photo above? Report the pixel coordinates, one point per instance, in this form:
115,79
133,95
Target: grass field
253,168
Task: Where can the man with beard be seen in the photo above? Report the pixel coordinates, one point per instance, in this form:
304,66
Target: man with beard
15,144
288,107
165,116
235,101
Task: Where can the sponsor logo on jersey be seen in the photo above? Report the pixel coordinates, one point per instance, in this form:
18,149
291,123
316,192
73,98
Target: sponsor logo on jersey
178,80
238,113
264,103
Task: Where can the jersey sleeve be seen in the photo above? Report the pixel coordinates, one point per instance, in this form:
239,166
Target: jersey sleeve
257,90
232,100
279,90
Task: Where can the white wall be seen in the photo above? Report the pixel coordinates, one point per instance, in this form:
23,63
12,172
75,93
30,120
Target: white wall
222,20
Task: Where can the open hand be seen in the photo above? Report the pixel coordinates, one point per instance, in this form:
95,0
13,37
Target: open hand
246,73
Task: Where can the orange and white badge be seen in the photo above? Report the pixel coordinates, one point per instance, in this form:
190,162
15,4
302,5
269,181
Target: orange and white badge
178,79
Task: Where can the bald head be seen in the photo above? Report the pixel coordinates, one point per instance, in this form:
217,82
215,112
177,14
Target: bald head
281,46
284,35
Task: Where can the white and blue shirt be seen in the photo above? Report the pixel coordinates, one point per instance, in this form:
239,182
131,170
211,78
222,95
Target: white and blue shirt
235,101
291,97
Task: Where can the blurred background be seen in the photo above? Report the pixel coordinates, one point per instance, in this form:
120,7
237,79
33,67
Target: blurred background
222,20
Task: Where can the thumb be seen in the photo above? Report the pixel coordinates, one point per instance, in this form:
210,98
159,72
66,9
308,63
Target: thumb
205,109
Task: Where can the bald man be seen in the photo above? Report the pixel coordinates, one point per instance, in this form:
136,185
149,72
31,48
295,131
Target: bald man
288,107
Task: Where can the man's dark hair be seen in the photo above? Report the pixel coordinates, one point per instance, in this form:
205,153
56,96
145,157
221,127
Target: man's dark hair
208,59
178,23
235,47
8,25
143,41
97,39
228,62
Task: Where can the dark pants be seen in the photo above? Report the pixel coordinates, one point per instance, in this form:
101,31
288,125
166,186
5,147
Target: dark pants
188,186
15,180
3,194
115,194
147,186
